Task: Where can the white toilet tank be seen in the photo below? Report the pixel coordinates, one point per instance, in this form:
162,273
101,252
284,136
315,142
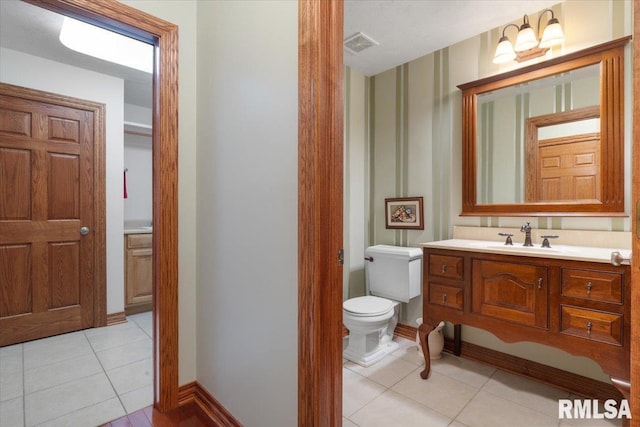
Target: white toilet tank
394,272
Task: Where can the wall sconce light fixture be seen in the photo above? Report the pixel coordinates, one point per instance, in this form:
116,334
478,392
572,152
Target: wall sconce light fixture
527,46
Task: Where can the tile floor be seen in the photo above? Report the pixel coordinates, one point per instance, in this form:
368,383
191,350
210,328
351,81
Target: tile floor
91,377
83,378
458,393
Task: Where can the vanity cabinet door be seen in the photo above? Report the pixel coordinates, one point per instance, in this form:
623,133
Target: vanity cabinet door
516,292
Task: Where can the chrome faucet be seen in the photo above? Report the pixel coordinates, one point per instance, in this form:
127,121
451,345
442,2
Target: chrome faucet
526,228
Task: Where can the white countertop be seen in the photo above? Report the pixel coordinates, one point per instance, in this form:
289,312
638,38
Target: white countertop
576,253
138,230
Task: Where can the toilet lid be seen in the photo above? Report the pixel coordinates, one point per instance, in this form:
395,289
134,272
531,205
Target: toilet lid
368,305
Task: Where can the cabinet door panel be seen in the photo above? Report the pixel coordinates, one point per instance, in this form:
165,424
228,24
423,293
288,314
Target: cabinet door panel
512,291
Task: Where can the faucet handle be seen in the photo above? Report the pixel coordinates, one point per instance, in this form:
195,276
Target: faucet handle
545,242
508,236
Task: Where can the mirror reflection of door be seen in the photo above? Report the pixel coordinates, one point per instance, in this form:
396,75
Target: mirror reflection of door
563,161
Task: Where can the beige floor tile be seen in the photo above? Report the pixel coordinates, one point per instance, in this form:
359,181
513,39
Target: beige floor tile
11,359
394,409
137,399
438,392
52,350
408,351
94,415
11,385
125,354
386,371
590,423
11,412
144,321
456,423
467,371
58,373
357,391
532,394
488,410
115,336
54,402
348,423
132,377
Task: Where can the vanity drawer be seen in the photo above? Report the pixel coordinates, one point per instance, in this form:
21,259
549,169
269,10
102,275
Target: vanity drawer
139,240
593,325
449,266
448,296
602,286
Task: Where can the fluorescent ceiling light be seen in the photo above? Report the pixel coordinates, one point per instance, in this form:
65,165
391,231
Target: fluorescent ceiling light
104,44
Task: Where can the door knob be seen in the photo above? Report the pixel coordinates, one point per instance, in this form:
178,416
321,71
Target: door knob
84,230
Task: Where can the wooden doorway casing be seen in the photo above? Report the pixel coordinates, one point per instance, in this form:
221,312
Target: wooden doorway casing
635,227
124,19
320,211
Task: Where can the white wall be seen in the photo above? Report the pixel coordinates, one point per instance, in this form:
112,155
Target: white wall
30,71
138,206
247,303
138,159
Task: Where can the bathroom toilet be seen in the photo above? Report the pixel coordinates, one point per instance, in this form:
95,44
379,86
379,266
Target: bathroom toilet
393,275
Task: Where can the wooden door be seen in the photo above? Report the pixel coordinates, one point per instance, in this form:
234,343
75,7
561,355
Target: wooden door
46,195
569,169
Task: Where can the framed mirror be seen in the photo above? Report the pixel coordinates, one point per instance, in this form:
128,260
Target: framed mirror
547,139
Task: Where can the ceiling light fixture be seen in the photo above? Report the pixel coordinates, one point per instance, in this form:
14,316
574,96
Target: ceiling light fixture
527,46
104,44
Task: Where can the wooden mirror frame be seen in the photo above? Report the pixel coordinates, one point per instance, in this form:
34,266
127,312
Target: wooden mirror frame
610,56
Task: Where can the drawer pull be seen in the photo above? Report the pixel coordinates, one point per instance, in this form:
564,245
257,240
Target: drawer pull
444,268
589,286
540,282
589,326
444,298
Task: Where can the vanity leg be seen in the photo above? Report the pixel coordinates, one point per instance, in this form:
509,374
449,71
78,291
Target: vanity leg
624,387
423,334
457,339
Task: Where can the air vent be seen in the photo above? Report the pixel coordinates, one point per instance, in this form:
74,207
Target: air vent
358,42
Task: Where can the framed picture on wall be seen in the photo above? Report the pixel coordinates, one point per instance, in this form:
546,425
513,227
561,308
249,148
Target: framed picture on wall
404,212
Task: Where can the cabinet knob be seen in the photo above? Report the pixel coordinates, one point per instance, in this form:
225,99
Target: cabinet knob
589,326
444,298
540,281
444,268
589,286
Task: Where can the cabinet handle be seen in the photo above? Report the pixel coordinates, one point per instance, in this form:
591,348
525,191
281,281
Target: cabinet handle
540,282
444,298
589,325
444,268
589,286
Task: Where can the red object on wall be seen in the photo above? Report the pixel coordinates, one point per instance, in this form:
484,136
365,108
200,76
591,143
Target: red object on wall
125,183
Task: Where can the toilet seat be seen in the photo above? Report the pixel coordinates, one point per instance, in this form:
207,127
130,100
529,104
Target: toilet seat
367,306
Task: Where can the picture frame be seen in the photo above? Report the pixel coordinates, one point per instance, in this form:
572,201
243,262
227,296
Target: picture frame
404,213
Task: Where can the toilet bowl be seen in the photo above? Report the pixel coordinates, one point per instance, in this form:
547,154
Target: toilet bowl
371,321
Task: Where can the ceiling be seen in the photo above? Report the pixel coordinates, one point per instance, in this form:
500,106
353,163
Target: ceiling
404,29
409,29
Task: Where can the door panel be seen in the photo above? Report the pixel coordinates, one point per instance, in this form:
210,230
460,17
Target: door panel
46,181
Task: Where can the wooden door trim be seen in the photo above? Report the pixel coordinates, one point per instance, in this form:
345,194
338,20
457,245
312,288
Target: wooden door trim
99,196
635,228
122,18
320,206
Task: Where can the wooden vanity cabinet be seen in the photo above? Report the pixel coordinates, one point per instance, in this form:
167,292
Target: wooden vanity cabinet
577,306
138,269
